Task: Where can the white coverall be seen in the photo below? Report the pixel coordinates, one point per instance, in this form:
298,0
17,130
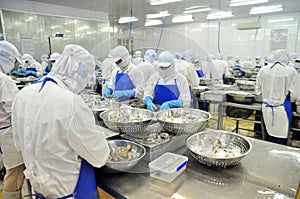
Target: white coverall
54,128
274,84
183,87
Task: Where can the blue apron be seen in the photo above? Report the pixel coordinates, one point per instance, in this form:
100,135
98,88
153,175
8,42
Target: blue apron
47,70
86,185
164,93
200,73
123,82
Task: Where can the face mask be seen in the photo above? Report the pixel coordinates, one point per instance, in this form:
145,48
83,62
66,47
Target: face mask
123,65
167,72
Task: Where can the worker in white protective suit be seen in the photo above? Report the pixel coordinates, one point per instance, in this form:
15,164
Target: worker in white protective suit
56,132
52,59
167,88
44,63
12,158
219,69
276,83
186,67
137,58
147,65
33,68
127,80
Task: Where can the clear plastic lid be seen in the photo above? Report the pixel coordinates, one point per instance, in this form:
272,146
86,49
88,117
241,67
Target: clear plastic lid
169,162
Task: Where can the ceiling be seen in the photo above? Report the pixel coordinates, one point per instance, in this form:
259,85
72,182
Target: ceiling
140,8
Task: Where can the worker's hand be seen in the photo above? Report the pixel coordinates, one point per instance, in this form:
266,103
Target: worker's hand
150,105
22,70
107,92
171,104
124,93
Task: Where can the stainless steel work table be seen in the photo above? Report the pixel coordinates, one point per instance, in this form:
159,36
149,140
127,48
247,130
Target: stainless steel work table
268,171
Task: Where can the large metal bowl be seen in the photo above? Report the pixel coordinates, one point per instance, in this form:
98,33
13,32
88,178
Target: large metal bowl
120,120
137,151
183,120
203,145
240,97
246,85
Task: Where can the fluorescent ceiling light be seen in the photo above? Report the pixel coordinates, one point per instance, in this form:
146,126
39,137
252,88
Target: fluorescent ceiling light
281,20
159,2
182,18
265,9
196,10
153,22
127,19
219,15
246,2
158,15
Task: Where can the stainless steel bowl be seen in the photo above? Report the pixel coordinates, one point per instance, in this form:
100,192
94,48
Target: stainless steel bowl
137,151
183,120
240,97
119,120
202,145
246,85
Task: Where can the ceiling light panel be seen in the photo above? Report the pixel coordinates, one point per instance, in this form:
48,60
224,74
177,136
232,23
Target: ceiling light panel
182,18
127,19
196,10
219,15
160,2
158,15
234,3
153,22
265,9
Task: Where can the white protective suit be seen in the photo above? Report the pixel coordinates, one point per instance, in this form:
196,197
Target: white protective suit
137,58
275,83
188,71
8,90
32,63
147,66
219,68
134,73
108,68
183,87
54,128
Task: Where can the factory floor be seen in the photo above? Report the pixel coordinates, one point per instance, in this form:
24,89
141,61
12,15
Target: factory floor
245,128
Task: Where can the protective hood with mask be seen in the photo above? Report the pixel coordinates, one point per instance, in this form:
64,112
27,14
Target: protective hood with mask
150,55
75,68
281,56
120,56
9,55
166,65
27,60
189,56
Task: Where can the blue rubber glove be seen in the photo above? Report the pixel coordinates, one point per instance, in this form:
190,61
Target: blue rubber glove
171,104
107,92
124,93
150,105
22,70
30,72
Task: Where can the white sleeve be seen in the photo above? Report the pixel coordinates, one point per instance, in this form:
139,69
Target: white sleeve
84,136
294,85
150,84
8,93
258,83
184,91
137,77
193,75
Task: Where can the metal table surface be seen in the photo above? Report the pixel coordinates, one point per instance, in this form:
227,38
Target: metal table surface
268,171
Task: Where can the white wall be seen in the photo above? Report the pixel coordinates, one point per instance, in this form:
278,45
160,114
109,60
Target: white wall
203,36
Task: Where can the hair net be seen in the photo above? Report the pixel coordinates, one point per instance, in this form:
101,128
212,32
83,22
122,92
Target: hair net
27,57
9,54
166,59
75,67
54,56
282,56
44,58
189,56
150,55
